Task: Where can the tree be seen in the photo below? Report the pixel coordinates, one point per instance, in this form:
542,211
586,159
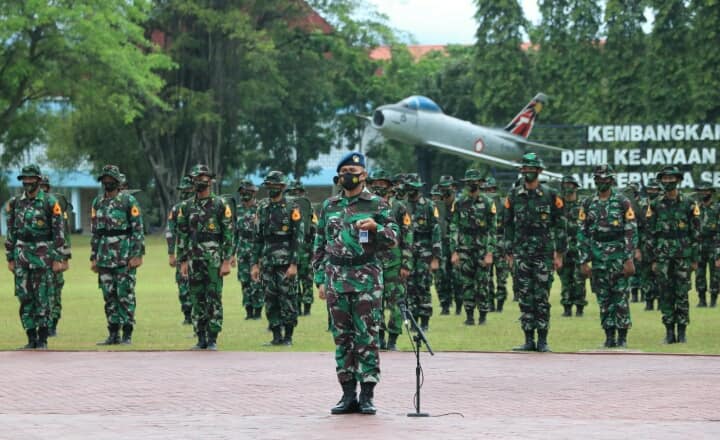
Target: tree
704,59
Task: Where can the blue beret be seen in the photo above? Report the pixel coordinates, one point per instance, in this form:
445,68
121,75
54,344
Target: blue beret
351,159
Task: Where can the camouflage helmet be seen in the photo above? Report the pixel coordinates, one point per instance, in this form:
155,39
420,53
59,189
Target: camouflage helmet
110,171
704,186
379,174
604,171
296,186
446,181
569,179
413,180
531,160
185,184
275,178
201,170
399,179
490,183
246,185
653,184
45,180
435,190
473,175
670,170
31,170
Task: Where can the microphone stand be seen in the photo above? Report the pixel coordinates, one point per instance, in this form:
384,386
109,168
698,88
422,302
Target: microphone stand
419,339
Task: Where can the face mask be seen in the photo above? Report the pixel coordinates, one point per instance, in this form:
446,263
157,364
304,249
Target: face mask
30,187
246,197
653,195
399,192
110,186
380,191
473,187
350,181
669,186
201,186
568,191
707,198
273,193
413,194
602,187
530,176
447,194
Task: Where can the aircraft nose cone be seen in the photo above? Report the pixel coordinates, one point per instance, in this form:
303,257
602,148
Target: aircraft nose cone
378,118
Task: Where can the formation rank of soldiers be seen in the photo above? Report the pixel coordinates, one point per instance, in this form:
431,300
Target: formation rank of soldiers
631,249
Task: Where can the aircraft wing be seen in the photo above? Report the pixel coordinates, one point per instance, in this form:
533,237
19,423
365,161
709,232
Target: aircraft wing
523,141
487,158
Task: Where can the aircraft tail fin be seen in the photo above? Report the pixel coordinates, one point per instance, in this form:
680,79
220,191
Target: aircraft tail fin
522,124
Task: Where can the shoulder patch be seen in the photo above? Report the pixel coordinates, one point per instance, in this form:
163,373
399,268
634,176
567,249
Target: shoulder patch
507,203
630,214
649,212
57,210
296,216
93,214
696,210
559,202
170,216
581,215
7,208
134,211
228,212
315,218
436,213
406,219
493,208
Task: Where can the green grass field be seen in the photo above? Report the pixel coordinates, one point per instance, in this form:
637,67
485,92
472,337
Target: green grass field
159,319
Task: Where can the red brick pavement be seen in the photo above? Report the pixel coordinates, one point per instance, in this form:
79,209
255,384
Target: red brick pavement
288,396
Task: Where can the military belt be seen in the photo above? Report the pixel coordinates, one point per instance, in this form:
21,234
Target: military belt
351,261
277,238
204,237
33,238
113,233
424,234
473,231
534,231
608,237
672,234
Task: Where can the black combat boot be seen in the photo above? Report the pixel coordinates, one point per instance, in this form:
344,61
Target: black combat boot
52,330
580,310
277,336
681,333
366,396
482,319
713,299
212,341
634,295
381,340
702,301
425,323
567,310
113,335
669,334
42,338
32,339
458,307
542,344
622,337
306,309
610,338
202,341
348,403
392,342
529,342
249,313
648,304
445,310
187,314
127,334
470,317
500,305
491,306
258,313
287,340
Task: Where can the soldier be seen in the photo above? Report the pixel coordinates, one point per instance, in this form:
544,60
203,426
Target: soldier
607,237
710,233
648,280
497,298
435,194
446,283
35,249
279,236
673,224
253,298
296,191
56,308
571,278
116,250
472,244
352,228
396,262
205,249
535,231
185,187
426,249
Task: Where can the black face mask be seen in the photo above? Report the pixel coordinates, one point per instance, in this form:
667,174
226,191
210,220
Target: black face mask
350,181
246,197
273,193
110,186
473,187
380,191
653,195
707,198
201,186
30,187
413,194
447,194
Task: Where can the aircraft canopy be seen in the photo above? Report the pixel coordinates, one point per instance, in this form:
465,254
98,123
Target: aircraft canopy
421,103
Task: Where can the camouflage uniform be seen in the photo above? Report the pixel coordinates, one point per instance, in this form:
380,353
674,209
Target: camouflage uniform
426,246
673,233
572,281
393,261
472,237
352,276
117,237
607,237
253,298
306,293
534,230
205,226
496,297
35,240
279,235
648,279
709,237
446,280
171,237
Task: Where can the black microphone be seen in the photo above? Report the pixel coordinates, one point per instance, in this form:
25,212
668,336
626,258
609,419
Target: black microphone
404,311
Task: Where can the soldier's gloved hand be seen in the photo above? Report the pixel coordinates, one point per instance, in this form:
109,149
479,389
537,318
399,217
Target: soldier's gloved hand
585,270
628,268
11,266
455,258
255,273
172,260
488,260
291,271
184,269
434,264
694,265
225,268
57,266
135,262
321,292
93,266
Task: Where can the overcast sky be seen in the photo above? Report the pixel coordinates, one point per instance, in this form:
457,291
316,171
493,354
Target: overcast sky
439,21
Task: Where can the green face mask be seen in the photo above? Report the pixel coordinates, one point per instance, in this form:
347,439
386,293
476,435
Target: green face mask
530,176
605,186
669,186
